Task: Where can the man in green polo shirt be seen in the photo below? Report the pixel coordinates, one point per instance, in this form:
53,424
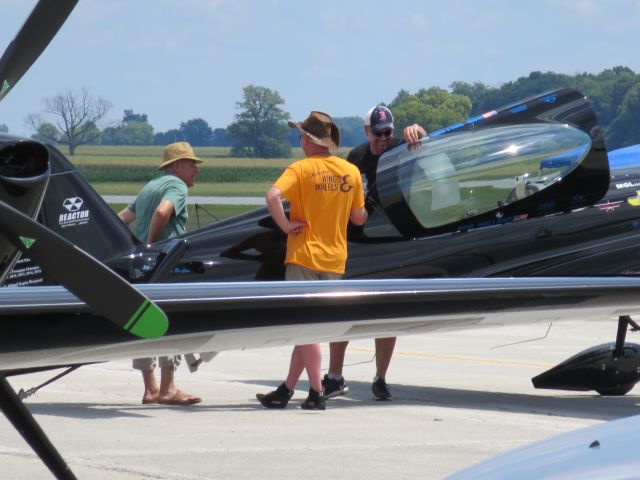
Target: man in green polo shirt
160,213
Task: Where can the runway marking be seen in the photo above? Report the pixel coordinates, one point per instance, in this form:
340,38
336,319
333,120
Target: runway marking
459,358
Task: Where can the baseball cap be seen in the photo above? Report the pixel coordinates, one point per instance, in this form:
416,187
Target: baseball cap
379,119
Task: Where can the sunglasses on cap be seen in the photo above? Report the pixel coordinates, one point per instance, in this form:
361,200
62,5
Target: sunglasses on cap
386,133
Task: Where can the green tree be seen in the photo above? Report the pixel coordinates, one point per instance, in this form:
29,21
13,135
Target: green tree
611,93
134,130
4,128
351,131
485,98
219,138
623,130
47,132
607,90
170,136
129,133
260,129
129,116
433,108
197,132
93,134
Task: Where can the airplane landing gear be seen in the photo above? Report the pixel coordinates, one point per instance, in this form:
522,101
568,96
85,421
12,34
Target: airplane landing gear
26,425
609,369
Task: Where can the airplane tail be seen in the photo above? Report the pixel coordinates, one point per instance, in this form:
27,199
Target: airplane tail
24,173
74,210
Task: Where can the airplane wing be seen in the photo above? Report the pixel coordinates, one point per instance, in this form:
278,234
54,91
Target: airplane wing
50,326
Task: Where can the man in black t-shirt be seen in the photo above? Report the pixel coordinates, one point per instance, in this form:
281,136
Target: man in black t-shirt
378,127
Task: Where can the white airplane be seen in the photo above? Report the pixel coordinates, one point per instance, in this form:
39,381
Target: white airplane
603,452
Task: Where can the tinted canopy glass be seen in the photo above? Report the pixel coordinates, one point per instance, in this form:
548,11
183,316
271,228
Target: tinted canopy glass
458,176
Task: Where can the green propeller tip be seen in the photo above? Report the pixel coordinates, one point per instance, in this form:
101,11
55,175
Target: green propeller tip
149,321
4,87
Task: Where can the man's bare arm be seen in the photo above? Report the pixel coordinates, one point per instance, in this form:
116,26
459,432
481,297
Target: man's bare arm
358,216
126,215
276,209
160,220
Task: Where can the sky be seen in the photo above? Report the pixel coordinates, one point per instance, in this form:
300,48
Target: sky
179,60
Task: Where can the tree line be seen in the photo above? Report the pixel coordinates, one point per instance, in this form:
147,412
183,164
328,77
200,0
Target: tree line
260,128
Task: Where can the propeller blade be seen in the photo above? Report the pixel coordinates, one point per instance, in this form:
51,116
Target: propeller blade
103,290
43,23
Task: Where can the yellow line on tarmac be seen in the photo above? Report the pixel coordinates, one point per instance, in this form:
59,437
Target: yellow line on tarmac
459,358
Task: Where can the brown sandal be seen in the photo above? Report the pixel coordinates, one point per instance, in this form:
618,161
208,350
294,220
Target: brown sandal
179,398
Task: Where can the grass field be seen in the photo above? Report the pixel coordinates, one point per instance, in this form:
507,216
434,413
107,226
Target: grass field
122,170
211,189
118,165
151,156
204,215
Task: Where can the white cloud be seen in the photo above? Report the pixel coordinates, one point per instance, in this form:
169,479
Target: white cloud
418,20
333,17
584,7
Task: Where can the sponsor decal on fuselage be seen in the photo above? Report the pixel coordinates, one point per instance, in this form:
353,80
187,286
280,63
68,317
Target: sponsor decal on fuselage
634,201
499,220
627,185
24,273
74,214
608,207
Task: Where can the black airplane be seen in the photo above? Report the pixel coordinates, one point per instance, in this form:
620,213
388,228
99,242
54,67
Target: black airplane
524,191
527,190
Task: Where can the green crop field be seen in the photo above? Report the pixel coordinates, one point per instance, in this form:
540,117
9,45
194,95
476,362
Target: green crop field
124,169
208,189
151,155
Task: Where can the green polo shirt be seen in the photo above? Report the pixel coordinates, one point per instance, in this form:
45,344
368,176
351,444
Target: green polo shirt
165,187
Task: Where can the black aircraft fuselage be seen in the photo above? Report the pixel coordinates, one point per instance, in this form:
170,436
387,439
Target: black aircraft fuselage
522,191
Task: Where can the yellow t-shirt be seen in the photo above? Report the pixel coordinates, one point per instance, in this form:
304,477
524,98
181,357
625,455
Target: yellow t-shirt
322,191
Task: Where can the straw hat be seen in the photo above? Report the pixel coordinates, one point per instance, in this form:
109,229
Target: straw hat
178,151
320,129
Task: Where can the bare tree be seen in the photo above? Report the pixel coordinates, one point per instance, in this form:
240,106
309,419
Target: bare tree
77,115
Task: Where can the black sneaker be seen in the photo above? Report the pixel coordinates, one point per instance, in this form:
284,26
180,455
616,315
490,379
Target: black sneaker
315,401
334,388
276,399
380,389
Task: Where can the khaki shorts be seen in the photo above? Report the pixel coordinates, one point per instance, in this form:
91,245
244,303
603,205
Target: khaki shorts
150,363
297,272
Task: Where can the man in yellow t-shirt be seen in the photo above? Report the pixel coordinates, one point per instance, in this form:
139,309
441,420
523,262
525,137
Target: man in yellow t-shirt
325,193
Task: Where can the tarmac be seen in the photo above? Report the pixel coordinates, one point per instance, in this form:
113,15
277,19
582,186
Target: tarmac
458,397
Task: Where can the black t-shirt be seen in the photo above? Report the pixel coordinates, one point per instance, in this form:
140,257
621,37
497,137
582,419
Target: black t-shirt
367,162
